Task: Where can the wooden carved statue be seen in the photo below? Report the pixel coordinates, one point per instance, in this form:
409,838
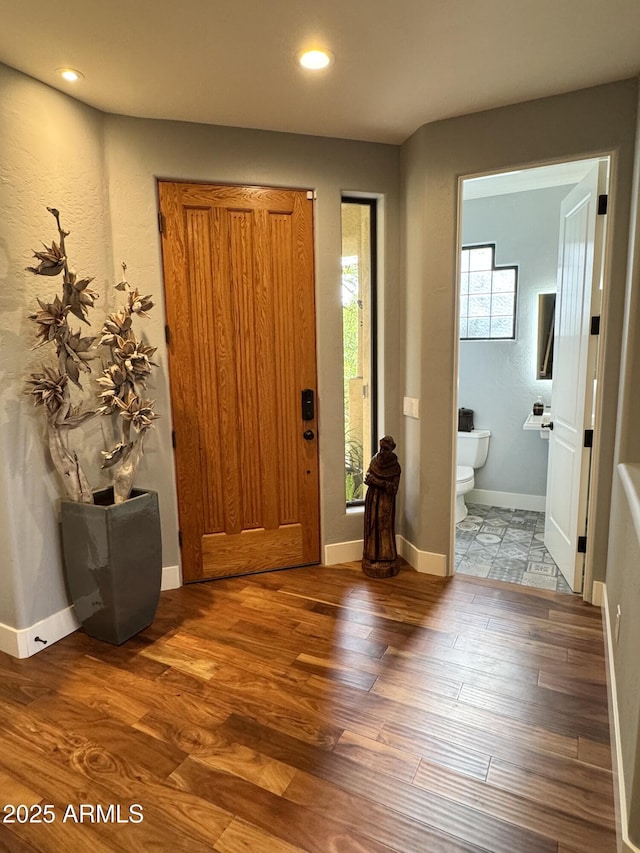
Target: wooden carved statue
380,557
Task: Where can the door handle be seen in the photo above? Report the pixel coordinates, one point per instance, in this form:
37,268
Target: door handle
547,426
308,435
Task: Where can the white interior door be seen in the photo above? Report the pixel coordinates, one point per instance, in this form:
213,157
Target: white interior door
578,296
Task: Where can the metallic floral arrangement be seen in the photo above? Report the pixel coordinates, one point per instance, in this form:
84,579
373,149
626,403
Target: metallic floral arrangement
121,384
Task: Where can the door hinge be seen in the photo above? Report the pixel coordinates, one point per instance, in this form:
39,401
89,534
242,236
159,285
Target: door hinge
173,439
588,438
167,335
180,538
603,202
595,325
582,544
160,222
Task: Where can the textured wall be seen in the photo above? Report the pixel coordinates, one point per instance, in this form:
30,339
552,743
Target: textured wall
497,378
623,562
623,590
139,151
57,152
578,124
51,154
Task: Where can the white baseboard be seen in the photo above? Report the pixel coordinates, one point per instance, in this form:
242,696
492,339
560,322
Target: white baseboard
597,593
9,641
22,643
625,845
510,500
171,578
342,552
422,561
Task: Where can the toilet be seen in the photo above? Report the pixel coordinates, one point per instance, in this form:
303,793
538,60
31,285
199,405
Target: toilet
472,453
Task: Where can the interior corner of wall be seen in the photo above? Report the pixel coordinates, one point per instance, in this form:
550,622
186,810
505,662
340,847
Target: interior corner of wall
25,642
171,578
425,562
343,552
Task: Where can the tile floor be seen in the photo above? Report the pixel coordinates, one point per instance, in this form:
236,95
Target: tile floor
506,545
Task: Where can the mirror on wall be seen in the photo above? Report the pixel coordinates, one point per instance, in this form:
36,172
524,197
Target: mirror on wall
546,323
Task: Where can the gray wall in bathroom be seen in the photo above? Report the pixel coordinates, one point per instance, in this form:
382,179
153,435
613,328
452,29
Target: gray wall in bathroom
497,378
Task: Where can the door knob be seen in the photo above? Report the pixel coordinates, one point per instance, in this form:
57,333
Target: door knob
308,435
547,426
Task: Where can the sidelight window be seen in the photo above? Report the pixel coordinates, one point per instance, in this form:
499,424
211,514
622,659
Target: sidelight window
358,340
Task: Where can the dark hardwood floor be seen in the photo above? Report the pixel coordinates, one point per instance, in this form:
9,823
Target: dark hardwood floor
319,710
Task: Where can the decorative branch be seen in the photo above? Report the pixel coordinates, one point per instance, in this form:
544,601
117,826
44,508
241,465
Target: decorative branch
50,388
123,382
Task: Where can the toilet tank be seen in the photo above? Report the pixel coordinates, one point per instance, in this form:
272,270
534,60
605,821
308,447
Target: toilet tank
473,448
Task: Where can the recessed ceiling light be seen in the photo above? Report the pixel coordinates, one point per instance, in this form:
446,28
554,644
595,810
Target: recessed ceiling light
70,74
315,60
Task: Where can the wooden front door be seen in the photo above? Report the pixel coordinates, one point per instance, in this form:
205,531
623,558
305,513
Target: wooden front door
239,290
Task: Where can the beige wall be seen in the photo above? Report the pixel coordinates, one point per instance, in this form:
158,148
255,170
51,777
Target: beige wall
585,123
50,154
101,171
595,121
623,567
623,589
140,151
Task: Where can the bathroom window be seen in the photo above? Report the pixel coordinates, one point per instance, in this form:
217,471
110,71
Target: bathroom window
358,341
487,296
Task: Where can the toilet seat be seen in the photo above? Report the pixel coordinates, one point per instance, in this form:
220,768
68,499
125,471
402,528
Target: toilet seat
464,474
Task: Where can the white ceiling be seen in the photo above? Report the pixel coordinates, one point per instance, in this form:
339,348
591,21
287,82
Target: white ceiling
524,180
398,63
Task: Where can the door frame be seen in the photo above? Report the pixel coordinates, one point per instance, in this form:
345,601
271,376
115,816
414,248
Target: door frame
587,587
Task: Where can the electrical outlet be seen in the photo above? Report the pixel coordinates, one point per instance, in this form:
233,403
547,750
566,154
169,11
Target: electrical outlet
617,628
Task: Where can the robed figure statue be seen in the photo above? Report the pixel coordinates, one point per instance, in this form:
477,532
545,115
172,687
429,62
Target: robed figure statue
380,557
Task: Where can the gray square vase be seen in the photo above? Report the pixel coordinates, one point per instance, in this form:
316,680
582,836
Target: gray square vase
113,562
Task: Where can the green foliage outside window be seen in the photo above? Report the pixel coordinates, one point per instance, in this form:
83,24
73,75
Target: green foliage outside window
350,345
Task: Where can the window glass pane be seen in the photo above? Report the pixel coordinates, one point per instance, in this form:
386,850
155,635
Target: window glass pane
504,280
502,305
502,327
480,282
479,327
487,295
479,306
357,317
481,258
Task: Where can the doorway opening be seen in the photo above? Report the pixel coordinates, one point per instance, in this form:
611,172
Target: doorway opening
522,511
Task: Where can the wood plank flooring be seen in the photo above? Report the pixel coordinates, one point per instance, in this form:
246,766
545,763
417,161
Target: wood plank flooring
318,710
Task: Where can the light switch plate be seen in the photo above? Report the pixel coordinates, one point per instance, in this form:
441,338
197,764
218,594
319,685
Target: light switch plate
411,407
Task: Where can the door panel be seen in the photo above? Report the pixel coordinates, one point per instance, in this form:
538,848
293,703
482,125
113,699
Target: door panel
238,267
579,266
